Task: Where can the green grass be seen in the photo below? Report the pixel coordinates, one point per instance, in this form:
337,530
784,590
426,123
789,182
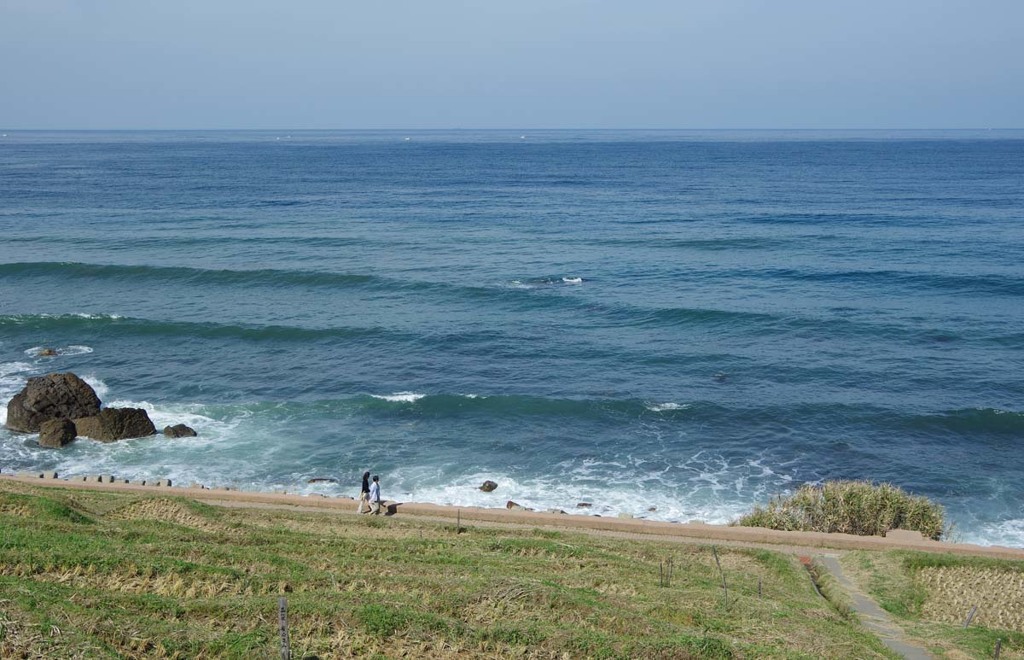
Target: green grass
112,575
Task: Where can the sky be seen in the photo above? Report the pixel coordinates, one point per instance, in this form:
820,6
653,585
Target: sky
421,64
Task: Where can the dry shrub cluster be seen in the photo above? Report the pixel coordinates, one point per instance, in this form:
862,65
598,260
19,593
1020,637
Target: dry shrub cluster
954,590
850,507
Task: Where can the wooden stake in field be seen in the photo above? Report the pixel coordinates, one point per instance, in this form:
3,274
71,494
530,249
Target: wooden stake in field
282,622
665,573
970,616
725,587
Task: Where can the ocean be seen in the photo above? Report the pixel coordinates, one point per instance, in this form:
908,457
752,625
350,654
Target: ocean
677,325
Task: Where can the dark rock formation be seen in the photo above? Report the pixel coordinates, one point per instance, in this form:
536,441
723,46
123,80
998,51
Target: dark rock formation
488,486
116,424
56,433
180,431
322,480
512,506
54,396
47,352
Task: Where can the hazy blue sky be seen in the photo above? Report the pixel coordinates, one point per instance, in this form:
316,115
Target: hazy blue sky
516,64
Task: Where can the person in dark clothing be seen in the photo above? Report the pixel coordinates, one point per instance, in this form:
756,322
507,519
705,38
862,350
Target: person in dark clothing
364,494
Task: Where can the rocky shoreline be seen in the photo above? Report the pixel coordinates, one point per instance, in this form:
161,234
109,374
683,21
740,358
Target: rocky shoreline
60,407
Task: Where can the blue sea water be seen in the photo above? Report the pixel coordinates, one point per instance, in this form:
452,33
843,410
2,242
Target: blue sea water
677,325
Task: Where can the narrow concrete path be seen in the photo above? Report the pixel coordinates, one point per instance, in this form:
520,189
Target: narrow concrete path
874,617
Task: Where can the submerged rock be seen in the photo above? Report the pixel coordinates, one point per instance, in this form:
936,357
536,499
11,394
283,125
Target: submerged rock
116,424
488,486
54,396
180,431
322,480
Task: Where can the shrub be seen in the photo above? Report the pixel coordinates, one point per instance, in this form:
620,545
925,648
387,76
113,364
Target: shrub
850,507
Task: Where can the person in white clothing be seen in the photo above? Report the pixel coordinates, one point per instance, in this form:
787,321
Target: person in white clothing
375,495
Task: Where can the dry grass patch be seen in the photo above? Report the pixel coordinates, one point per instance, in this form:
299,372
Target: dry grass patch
14,509
954,590
133,580
21,637
17,639
164,510
503,601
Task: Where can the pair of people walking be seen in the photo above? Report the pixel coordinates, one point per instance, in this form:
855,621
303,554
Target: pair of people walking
369,494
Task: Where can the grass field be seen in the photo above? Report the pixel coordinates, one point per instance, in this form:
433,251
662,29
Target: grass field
96,574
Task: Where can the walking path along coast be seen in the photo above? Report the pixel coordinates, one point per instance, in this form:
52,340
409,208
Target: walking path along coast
681,532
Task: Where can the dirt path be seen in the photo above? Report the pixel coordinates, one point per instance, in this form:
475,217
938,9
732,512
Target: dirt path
874,617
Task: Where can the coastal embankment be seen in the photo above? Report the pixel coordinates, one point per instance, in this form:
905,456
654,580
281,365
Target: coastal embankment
97,567
628,526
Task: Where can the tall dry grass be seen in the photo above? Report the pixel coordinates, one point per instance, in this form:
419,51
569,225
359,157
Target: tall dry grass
850,507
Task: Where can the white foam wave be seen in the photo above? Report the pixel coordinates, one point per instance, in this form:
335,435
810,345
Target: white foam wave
705,487
77,315
75,349
545,282
97,385
161,416
12,378
96,317
662,407
14,369
568,496
1009,533
400,397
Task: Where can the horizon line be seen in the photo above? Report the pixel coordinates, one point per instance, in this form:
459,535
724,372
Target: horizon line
512,128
